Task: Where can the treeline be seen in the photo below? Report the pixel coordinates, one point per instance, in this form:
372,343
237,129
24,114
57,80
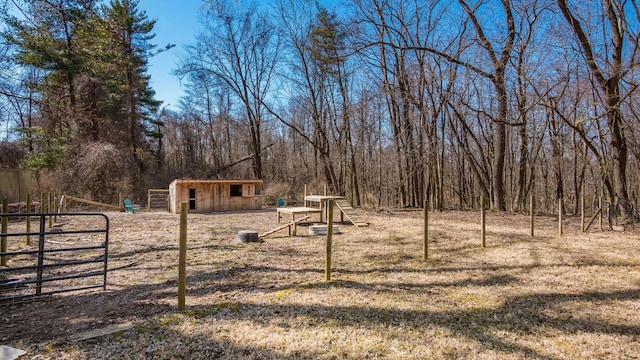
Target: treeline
387,102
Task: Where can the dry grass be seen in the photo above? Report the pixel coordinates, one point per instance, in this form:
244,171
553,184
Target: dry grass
548,297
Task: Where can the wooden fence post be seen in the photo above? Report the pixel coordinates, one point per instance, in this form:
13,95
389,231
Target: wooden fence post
28,211
49,209
532,211
425,253
559,217
483,218
304,198
3,239
182,262
327,266
55,207
582,228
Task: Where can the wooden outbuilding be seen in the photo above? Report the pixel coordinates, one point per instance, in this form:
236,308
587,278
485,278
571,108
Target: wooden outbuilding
215,195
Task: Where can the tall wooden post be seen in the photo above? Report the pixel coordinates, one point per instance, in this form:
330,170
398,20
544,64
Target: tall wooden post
582,228
306,203
483,218
425,253
50,208
3,239
327,266
559,217
532,211
182,261
40,266
325,189
28,211
55,207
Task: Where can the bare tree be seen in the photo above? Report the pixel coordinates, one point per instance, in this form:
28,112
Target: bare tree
609,66
240,47
308,83
498,52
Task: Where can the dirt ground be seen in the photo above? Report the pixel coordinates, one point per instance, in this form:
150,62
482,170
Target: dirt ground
546,297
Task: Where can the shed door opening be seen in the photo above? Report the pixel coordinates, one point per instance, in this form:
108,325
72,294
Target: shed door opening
236,190
192,199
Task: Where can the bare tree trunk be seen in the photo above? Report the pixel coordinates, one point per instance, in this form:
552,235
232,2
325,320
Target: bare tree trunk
614,12
554,132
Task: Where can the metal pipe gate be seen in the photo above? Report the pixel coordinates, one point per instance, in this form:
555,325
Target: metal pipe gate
65,260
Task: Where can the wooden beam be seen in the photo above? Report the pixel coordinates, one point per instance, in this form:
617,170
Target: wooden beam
3,239
598,212
91,202
182,261
327,266
425,246
284,226
483,221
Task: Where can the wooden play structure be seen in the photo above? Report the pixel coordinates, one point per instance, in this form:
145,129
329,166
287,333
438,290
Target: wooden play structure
205,196
346,210
293,211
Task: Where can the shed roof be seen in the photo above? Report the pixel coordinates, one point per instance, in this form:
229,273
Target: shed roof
217,181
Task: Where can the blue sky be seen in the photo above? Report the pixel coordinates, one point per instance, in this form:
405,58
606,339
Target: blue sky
176,23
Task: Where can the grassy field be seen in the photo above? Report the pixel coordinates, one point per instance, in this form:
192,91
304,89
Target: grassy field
546,297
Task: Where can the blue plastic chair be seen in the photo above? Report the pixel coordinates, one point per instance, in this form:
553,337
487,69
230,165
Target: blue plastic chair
130,207
280,203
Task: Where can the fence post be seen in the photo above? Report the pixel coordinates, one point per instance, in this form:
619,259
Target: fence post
182,262
425,253
483,218
582,228
55,207
532,211
327,267
560,217
49,209
28,211
3,239
43,219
